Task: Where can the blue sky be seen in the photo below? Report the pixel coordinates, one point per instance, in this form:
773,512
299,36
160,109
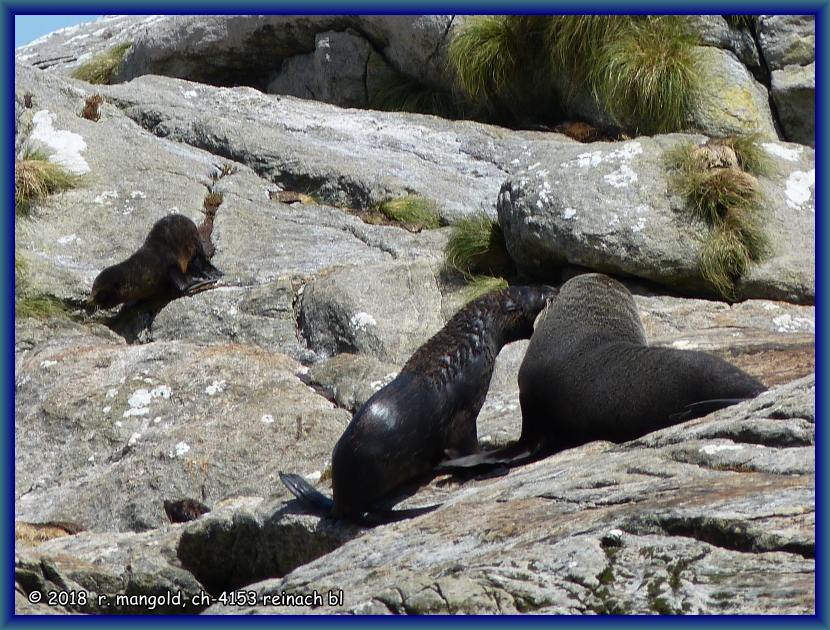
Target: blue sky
29,27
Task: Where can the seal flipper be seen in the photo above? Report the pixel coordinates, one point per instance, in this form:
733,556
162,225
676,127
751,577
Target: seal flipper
487,460
702,408
306,494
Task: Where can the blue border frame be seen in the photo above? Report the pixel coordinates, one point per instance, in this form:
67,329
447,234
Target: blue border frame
11,8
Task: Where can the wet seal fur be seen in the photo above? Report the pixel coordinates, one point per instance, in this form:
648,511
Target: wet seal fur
171,263
428,411
589,374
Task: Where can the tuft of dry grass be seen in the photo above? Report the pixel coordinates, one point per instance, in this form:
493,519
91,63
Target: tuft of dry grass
35,177
101,68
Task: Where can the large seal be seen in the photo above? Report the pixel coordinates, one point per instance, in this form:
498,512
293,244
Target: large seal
589,374
429,410
172,262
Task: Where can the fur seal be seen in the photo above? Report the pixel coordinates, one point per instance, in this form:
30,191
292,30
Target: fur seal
589,374
428,411
172,262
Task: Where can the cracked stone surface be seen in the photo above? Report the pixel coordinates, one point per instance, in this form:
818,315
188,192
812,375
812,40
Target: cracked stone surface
318,310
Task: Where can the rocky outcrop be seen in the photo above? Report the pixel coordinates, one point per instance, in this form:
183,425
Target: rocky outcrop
611,208
213,395
788,43
338,59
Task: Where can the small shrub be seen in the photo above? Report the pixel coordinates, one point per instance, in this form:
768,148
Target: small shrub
212,201
412,211
35,177
101,68
476,247
90,111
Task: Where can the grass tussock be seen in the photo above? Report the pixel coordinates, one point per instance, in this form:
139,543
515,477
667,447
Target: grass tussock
481,284
484,54
648,75
27,305
728,200
101,68
476,247
413,212
396,92
39,307
643,69
35,177
752,157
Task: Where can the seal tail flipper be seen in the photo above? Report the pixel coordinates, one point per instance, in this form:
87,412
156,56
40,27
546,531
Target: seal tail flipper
702,408
305,493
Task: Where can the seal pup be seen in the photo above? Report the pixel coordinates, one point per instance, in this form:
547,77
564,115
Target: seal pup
171,263
429,411
589,374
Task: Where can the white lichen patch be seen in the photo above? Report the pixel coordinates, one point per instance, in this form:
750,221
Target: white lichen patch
47,363
65,146
137,194
711,449
622,177
798,187
139,401
789,324
188,94
684,344
105,197
314,476
106,409
267,419
181,449
594,158
215,387
360,321
135,437
569,213
112,392
791,154
69,238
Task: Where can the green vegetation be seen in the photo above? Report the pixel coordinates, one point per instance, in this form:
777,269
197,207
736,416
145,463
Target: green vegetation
28,305
751,156
35,177
477,247
642,68
396,92
648,75
412,211
479,285
728,200
101,68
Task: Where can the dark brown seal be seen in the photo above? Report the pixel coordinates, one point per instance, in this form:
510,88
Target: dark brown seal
589,374
172,262
429,410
